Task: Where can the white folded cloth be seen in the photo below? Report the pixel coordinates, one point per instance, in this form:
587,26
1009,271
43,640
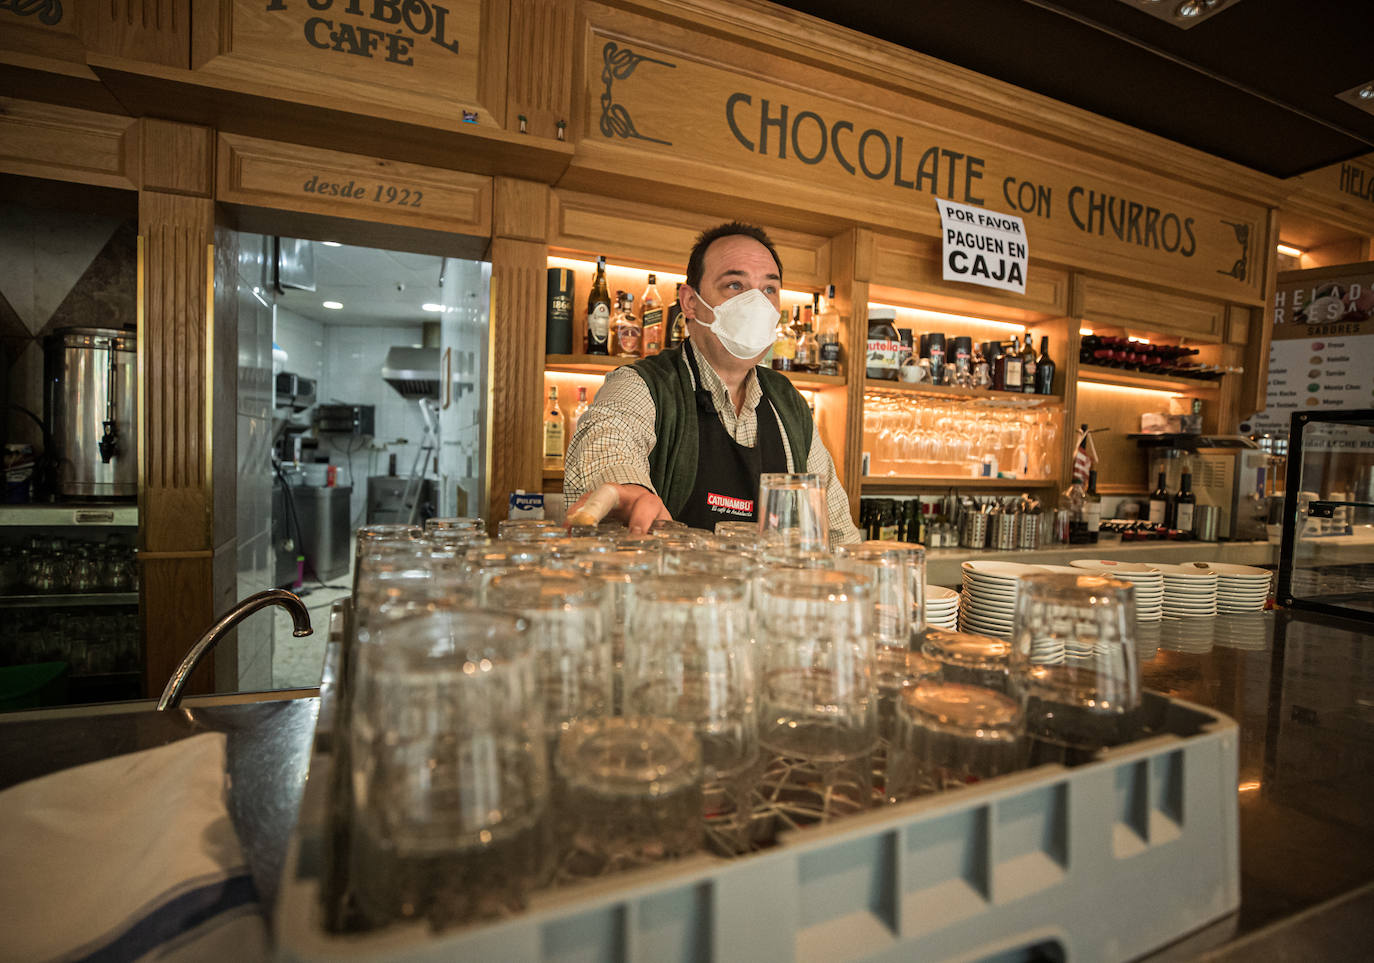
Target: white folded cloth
133,857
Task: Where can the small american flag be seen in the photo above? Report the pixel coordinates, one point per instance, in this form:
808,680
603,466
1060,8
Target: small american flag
1084,456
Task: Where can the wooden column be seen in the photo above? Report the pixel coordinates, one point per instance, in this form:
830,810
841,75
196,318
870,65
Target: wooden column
851,260
175,338
519,264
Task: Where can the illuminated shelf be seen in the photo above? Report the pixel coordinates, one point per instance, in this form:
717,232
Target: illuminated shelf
1124,378
1014,399
600,364
895,484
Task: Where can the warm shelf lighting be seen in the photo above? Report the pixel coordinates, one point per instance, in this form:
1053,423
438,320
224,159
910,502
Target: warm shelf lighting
1138,340
1248,786
1085,331
1132,389
941,317
333,305
1288,250
663,277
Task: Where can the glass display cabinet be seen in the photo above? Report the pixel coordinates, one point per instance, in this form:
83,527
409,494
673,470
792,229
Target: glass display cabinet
1326,563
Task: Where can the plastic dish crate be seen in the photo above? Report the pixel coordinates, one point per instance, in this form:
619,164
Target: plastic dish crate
1104,861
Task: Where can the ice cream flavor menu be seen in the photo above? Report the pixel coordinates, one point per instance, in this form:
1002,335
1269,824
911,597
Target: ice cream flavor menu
1322,352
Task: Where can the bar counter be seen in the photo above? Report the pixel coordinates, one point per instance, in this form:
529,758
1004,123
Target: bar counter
1302,692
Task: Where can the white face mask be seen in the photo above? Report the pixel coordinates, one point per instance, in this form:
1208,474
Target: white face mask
745,324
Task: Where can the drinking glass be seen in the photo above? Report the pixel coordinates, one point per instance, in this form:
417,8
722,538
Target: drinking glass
371,538
449,770
791,509
1074,663
526,528
949,735
568,633
488,561
688,658
745,532
970,659
395,578
618,570
818,718
455,526
629,793
897,575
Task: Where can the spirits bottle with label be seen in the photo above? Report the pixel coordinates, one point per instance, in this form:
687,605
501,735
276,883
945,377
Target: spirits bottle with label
808,349
628,333
554,431
651,319
1044,369
1010,362
599,312
784,345
675,326
577,412
828,335
1029,367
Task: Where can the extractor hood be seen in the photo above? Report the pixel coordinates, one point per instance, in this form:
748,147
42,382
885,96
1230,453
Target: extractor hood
413,370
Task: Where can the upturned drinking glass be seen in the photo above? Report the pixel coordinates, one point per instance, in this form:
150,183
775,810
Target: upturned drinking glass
569,635
949,735
818,707
452,527
372,539
1074,662
618,571
688,658
897,575
791,509
449,770
629,793
488,561
970,659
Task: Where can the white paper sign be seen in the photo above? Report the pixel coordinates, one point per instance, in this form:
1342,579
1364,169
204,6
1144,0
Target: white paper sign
983,247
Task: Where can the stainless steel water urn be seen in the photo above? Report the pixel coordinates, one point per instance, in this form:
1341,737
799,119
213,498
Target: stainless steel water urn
90,403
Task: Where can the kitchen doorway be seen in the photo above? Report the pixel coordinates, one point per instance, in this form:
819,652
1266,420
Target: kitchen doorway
362,376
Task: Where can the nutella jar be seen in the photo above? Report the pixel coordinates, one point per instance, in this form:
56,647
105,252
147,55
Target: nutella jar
884,345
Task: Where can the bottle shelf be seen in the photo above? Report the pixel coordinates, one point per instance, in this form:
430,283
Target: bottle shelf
69,600
1124,377
1012,399
601,364
898,484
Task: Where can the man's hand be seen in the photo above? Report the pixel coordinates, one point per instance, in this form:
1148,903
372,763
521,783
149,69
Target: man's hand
636,506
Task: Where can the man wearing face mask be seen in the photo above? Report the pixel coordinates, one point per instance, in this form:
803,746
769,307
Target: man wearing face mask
685,434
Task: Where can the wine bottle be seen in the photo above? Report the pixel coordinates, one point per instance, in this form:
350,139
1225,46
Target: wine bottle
1092,508
1028,367
599,312
1184,504
1044,369
1159,503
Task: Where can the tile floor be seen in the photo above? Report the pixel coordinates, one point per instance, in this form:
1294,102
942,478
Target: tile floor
298,663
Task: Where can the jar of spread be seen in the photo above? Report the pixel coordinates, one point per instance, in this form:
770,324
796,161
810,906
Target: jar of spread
884,345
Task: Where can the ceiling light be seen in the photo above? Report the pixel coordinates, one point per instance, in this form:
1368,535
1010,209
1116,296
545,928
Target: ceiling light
1366,92
334,305
431,306
331,244
1183,15
1288,250
1192,9
1361,96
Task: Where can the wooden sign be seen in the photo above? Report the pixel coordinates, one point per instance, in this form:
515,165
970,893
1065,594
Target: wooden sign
785,132
263,173
404,58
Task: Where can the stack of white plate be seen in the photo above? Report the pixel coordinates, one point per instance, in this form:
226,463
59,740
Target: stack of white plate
988,603
1147,636
1190,591
1241,588
1148,583
942,608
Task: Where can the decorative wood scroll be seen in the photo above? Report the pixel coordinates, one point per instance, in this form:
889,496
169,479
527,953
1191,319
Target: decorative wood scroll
263,173
155,31
784,131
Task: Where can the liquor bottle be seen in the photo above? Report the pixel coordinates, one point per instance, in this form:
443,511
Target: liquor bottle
577,412
628,333
599,312
1029,367
1044,369
1184,504
675,327
1159,503
784,345
558,317
1071,504
828,334
996,366
554,431
1010,360
1092,508
651,319
808,350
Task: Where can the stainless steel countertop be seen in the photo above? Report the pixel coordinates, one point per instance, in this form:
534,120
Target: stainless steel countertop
1302,691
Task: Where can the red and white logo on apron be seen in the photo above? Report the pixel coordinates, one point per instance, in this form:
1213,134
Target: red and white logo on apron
728,505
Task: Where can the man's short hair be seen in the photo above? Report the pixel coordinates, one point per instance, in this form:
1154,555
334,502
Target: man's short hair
696,260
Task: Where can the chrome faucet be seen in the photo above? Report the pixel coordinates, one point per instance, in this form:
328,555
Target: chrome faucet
300,618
